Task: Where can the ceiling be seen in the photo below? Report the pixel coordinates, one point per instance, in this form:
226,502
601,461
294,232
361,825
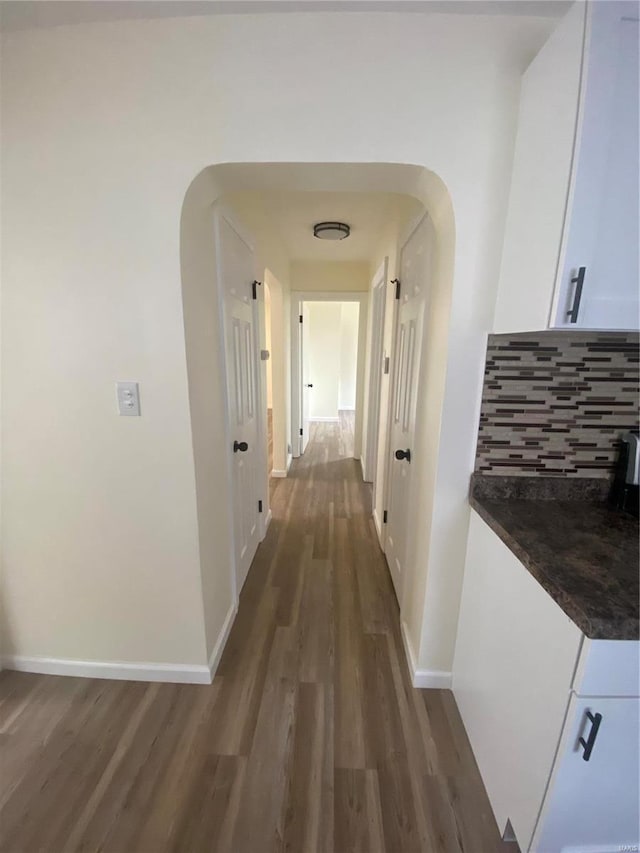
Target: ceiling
293,215
28,14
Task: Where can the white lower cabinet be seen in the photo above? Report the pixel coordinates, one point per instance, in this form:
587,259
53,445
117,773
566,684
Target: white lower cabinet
520,673
515,657
592,806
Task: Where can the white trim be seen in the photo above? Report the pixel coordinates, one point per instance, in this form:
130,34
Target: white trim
324,420
378,524
432,679
176,673
267,521
374,370
259,339
423,678
223,636
278,472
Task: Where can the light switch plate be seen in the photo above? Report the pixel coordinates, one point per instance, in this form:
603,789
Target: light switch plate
128,399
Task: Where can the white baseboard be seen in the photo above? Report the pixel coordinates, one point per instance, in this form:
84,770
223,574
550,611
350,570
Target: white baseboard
423,678
267,522
176,673
324,420
279,473
434,679
216,654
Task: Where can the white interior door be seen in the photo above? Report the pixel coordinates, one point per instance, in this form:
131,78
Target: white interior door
414,283
236,274
378,304
307,379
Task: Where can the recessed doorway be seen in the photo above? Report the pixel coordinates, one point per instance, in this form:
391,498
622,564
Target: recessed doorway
328,339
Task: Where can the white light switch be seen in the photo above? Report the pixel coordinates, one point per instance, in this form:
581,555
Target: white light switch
128,398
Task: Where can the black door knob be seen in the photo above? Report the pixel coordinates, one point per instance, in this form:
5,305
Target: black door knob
240,446
403,454
310,385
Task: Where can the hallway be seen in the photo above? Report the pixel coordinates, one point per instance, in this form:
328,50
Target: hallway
311,737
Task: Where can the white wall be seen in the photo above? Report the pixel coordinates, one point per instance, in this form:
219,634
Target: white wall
349,319
329,275
104,128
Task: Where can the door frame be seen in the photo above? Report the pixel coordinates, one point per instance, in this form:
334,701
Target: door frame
378,310
297,298
261,462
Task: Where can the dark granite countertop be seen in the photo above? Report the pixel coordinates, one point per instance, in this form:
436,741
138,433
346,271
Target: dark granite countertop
584,554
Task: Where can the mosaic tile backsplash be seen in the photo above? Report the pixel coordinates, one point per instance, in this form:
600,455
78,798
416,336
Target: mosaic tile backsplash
555,403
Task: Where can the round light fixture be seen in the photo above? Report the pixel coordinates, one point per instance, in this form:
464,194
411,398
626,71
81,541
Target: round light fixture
331,231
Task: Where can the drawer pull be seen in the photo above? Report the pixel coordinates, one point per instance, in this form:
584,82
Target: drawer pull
588,744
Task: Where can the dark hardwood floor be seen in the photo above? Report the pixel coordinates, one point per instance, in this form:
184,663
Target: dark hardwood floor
311,737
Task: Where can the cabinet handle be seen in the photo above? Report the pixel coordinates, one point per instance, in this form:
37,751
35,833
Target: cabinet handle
578,280
588,744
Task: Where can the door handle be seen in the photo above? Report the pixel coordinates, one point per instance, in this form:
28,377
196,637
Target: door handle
310,385
403,454
240,446
578,280
588,744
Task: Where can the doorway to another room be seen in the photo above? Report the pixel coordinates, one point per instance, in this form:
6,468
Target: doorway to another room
328,340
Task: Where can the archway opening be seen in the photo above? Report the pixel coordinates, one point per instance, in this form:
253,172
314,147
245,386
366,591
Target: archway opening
250,189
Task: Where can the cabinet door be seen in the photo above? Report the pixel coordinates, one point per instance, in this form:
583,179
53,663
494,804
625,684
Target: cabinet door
598,271
540,180
515,655
593,805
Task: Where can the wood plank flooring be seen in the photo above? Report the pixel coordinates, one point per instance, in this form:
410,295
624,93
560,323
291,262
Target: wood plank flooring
311,737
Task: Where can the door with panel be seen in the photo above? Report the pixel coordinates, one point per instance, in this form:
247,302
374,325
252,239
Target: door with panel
415,265
236,268
307,379
378,306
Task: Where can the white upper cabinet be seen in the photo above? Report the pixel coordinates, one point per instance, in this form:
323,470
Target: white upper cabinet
600,245
570,256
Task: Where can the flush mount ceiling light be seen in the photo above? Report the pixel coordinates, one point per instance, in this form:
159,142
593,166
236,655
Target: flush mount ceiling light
331,231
